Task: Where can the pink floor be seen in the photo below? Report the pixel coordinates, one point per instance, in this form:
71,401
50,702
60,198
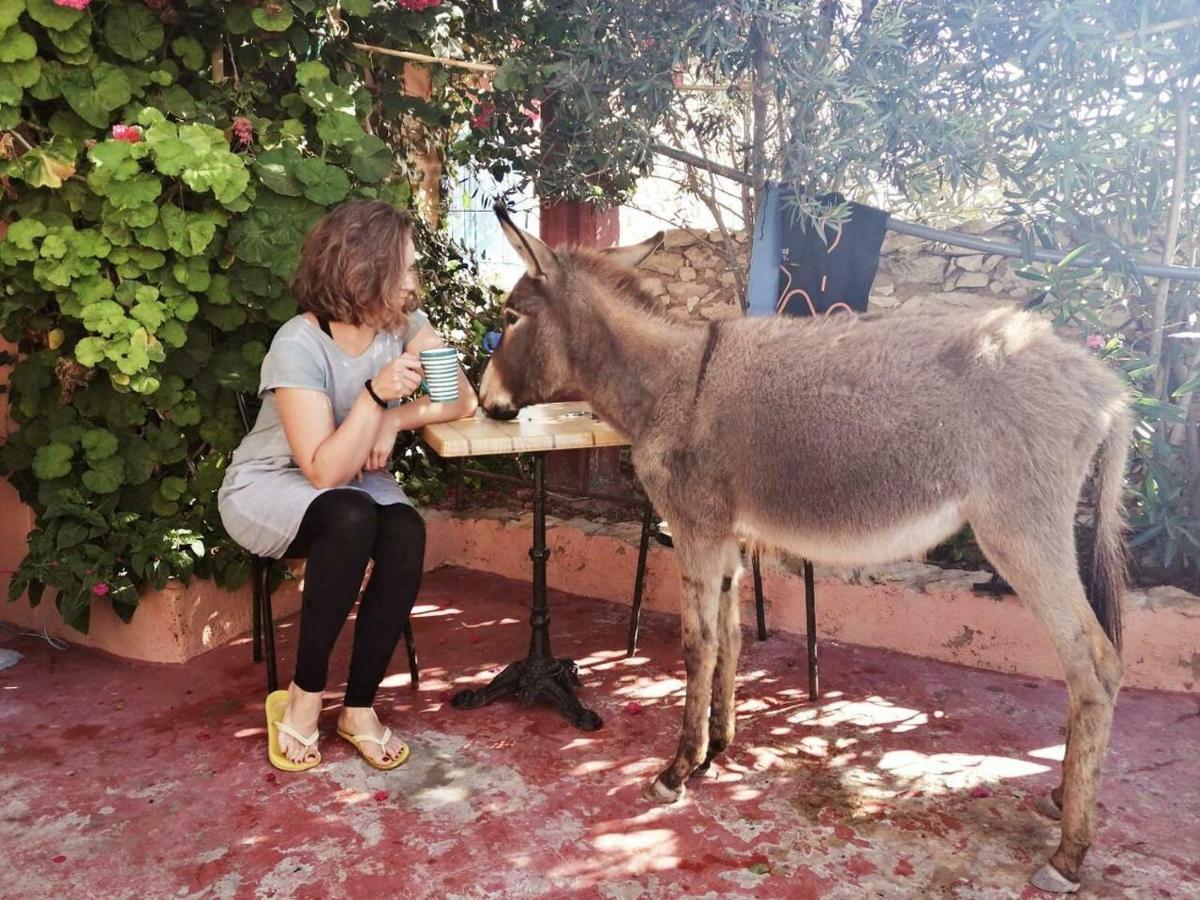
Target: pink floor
912,778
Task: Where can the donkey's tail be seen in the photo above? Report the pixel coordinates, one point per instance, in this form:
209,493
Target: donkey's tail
1109,575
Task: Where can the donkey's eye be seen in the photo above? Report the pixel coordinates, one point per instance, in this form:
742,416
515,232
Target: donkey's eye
511,317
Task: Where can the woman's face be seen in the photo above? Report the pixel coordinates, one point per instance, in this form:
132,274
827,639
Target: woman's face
409,280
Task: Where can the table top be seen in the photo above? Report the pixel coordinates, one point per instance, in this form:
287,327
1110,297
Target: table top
549,426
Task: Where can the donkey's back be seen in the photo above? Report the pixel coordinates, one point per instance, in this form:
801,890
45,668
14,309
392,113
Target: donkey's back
859,440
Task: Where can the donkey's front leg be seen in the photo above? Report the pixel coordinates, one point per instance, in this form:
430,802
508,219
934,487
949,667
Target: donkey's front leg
701,563
722,719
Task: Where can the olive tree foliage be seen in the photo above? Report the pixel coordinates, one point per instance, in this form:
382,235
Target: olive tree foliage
1073,123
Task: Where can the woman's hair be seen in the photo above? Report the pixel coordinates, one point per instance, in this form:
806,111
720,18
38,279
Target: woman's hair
352,265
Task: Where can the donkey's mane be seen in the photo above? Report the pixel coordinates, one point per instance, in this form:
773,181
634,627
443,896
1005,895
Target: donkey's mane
622,284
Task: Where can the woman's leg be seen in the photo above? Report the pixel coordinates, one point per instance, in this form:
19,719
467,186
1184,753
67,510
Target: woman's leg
399,554
337,537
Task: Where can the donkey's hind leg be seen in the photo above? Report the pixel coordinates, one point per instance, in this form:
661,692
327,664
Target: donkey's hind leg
702,564
1040,563
722,718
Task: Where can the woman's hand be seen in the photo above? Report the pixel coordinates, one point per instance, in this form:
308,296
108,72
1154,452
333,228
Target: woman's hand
379,458
399,378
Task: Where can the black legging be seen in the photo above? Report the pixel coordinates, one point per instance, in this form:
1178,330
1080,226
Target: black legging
342,530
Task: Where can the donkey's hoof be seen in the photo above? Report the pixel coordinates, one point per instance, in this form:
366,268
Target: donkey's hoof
1047,807
657,792
1048,878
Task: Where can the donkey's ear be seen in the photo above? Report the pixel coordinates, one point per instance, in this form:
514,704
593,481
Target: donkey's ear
539,259
633,255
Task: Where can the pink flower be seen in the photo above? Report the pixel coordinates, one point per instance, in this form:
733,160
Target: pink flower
417,5
533,112
482,120
380,796
243,130
634,708
130,133
1096,342
979,792
73,4
99,588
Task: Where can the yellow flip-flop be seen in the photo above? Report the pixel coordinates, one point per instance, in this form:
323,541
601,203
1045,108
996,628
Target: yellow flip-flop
359,739
277,702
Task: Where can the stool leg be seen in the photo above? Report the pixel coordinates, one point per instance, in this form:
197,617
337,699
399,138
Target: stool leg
639,583
256,610
760,605
264,574
414,669
810,609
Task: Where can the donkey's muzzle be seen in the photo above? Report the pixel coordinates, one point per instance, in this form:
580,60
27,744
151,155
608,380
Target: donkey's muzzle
503,413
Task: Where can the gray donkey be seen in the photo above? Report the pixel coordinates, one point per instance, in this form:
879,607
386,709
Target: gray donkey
848,440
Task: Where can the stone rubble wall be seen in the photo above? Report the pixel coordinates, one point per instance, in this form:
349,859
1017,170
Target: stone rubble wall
692,278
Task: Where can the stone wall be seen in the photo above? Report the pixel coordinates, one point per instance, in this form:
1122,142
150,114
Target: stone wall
690,275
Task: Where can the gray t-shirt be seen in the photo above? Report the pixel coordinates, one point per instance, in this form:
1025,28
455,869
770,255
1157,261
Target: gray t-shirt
264,495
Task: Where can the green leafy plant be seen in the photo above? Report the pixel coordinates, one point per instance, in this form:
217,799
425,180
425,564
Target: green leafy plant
160,163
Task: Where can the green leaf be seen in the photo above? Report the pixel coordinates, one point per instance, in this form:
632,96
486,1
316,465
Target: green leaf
105,476
75,607
140,190
189,234
41,167
132,31
275,167
98,444
95,92
23,74
323,183
311,71
189,51
270,233
274,16
360,8
173,488
52,461
339,128
104,317
90,351
1192,384
16,45
75,39
10,11
58,18
370,159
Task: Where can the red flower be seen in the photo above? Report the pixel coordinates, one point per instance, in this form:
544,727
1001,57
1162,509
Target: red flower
380,796
99,588
979,792
130,133
73,4
243,131
482,120
634,708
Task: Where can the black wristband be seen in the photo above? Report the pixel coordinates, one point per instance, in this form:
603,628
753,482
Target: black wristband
374,396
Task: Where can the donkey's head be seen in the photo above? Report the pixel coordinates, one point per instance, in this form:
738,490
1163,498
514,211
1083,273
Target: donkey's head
533,362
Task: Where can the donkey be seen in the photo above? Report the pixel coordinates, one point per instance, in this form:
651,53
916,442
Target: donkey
848,440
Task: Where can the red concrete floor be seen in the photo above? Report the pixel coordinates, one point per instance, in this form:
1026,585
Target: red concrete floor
912,778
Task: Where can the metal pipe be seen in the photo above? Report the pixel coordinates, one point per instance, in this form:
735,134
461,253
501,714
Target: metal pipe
956,238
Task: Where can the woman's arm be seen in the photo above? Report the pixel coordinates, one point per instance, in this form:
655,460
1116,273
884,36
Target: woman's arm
424,411
418,413
330,455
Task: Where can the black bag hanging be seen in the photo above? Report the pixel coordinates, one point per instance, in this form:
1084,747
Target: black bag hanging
823,274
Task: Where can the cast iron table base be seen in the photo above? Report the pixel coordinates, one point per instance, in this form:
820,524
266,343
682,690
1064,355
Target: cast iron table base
540,674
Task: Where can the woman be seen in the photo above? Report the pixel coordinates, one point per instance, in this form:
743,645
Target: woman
311,479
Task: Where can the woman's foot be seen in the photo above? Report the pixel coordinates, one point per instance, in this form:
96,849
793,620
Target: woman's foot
302,712
362,720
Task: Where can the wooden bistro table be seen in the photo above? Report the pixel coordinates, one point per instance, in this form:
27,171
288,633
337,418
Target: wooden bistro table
537,430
